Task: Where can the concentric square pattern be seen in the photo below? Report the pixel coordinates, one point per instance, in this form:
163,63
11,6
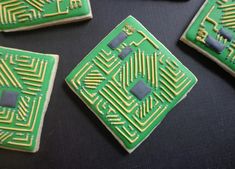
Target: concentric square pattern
109,83
16,15
26,81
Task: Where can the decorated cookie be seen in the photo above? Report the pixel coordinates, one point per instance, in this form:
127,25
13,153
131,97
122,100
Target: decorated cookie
131,81
16,15
212,32
26,81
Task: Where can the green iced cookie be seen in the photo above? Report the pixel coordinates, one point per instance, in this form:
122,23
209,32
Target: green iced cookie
16,15
131,81
26,81
212,32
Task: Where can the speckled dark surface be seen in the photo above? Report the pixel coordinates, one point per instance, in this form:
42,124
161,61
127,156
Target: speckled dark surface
199,133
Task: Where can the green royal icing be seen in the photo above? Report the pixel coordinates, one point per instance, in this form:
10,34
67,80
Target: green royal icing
30,76
214,16
27,14
106,82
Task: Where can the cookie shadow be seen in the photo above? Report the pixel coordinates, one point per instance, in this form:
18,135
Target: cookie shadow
208,63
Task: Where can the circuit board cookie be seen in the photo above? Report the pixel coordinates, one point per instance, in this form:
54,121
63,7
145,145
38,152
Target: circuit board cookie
26,81
130,81
212,33
16,15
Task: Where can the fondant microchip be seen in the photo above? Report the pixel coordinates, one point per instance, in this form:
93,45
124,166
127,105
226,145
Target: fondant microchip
140,90
117,40
9,99
214,44
125,52
226,34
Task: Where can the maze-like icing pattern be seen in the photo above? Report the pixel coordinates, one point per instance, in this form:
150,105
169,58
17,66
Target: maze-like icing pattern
215,20
23,14
103,80
30,76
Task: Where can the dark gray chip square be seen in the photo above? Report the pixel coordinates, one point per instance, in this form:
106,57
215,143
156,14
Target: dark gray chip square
117,40
140,90
226,34
214,44
125,52
9,99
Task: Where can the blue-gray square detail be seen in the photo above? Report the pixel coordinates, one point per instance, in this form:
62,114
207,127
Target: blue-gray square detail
9,99
140,90
125,52
117,40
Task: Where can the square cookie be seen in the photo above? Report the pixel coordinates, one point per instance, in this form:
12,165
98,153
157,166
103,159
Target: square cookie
17,15
212,33
130,81
26,81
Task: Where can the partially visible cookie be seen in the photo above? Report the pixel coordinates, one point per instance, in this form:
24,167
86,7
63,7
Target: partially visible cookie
17,15
26,81
211,32
131,81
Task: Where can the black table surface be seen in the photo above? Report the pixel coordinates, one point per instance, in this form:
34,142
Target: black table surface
199,133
